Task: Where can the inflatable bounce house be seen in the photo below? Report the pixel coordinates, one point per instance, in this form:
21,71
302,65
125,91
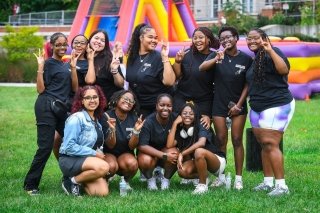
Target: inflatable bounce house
174,22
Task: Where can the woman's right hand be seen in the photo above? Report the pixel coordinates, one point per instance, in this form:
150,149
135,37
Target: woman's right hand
172,157
180,161
90,53
178,120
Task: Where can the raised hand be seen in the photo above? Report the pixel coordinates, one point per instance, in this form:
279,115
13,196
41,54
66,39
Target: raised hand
164,49
40,57
139,124
90,53
266,45
74,58
180,55
115,63
220,55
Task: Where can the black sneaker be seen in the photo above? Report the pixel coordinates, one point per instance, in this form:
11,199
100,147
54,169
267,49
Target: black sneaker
33,192
75,189
66,185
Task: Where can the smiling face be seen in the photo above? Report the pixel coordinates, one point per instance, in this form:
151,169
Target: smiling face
187,115
79,44
201,42
98,42
254,40
90,100
149,40
227,40
126,102
164,107
60,47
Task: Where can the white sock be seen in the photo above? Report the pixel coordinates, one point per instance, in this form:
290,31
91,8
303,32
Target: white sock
281,182
268,181
238,178
73,180
222,177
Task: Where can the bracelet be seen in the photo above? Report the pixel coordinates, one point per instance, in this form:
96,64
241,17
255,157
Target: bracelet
165,61
40,71
135,132
114,72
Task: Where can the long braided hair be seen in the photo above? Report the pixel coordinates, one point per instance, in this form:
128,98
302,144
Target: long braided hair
134,46
260,59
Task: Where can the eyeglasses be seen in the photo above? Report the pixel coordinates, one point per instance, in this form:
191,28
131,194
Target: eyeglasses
82,43
226,38
252,39
128,100
187,113
61,45
90,98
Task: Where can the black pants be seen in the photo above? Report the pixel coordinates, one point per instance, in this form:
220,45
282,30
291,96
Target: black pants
47,123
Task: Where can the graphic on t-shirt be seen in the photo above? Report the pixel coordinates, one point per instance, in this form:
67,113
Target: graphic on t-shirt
145,67
241,69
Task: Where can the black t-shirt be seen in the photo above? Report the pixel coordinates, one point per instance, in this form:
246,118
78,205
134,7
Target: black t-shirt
145,79
105,80
230,79
153,133
82,69
273,91
57,79
184,143
123,133
193,84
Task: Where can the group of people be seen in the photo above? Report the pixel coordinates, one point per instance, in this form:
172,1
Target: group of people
102,118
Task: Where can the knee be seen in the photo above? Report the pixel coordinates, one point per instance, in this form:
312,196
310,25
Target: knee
113,167
103,169
199,153
132,164
103,192
145,162
237,142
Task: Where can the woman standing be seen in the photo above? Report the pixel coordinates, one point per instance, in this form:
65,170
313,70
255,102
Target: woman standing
107,73
197,154
81,158
152,144
149,72
193,85
229,68
123,127
54,85
272,107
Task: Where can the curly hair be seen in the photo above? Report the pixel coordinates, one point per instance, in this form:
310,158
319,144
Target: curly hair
196,125
77,101
260,59
104,57
213,41
233,31
80,35
134,46
116,97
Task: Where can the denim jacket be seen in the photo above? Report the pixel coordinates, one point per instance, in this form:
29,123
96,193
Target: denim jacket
79,135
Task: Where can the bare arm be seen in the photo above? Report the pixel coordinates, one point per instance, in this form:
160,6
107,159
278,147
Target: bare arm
134,140
177,64
169,77
91,74
200,143
117,78
40,71
171,142
209,64
73,67
111,139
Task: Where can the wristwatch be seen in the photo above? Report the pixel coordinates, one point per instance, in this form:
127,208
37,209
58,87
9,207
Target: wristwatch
164,156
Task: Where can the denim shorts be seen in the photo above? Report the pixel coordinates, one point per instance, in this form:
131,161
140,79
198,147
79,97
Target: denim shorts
71,166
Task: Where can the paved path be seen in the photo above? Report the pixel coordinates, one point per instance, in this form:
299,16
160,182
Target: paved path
17,84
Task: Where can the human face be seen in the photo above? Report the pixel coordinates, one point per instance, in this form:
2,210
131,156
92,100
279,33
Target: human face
98,42
254,41
126,102
79,44
60,47
90,100
227,40
201,42
149,40
164,107
187,116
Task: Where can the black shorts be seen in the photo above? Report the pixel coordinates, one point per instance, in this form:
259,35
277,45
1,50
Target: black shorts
71,166
204,107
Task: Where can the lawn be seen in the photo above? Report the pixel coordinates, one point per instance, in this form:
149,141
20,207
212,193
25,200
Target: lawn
18,145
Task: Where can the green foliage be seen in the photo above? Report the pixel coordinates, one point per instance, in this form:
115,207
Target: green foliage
20,43
262,21
306,15
18,145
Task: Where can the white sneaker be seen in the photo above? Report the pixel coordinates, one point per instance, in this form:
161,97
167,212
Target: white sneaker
165,183
129,188
142,178
279,191
152,185
184,181
218,183
238,185
200,189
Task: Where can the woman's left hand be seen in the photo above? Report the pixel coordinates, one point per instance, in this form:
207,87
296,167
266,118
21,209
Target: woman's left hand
165,50
74,59
235,110
139,124
205,121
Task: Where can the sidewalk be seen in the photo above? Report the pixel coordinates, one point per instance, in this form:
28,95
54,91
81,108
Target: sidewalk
17,84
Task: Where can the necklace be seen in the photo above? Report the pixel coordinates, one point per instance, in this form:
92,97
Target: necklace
228,58
144,57
162,126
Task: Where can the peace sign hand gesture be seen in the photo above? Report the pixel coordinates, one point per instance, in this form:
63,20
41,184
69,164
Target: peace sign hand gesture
40,57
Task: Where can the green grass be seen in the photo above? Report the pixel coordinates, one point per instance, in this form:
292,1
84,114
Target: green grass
18,145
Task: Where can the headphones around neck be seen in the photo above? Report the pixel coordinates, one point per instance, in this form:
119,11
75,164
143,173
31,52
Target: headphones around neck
184,134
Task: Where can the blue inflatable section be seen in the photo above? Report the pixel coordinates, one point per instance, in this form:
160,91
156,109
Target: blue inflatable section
109,24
